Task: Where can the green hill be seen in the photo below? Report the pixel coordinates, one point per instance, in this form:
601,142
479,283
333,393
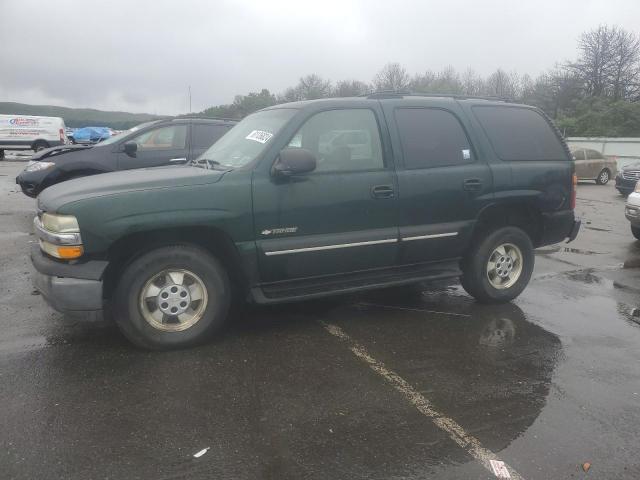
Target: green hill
80,117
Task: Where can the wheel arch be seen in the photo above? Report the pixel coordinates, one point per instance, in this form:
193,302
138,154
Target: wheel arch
522,214
215,241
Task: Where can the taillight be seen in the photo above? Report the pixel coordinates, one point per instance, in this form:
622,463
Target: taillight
574,184
62,136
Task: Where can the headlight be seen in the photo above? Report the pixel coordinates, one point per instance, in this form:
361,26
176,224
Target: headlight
37,166
59,235
60,223
637,189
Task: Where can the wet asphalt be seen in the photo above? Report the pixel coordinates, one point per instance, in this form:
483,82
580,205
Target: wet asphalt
546,383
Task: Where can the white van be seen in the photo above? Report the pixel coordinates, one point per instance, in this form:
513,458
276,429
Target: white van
26,132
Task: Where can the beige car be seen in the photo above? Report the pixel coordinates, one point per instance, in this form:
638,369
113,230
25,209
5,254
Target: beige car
592,165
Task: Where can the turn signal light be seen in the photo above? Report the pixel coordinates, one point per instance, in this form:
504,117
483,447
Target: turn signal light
64,252
574,185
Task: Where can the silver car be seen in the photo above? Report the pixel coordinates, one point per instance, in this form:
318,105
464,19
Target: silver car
632,211
592,165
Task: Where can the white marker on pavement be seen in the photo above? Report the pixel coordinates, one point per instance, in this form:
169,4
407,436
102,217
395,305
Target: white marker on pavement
456,433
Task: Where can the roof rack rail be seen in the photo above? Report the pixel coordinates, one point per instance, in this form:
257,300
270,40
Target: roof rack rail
203,117
400,94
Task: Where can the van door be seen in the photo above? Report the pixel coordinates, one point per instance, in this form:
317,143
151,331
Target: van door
443,182
340,218
164,145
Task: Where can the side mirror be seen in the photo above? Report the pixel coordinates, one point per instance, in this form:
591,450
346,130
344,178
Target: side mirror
130,148
294,161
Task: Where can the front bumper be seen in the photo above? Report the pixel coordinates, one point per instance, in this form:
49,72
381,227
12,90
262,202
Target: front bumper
623,185
68,287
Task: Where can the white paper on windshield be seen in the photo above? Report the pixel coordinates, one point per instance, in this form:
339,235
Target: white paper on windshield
259,136
466,154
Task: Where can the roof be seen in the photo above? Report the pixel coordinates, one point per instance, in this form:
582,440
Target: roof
391,96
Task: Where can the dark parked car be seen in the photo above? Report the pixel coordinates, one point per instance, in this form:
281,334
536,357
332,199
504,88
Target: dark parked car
162,142
627,178
309,199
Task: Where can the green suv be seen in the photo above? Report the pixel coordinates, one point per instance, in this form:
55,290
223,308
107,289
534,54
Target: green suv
309,199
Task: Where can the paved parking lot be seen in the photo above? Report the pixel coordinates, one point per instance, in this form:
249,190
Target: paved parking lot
403,383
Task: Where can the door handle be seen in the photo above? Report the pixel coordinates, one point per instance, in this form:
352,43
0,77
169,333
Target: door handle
472,184
382,191
178,160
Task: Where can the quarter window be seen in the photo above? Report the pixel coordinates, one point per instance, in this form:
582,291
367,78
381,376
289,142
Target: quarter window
342,140
519,133
431,138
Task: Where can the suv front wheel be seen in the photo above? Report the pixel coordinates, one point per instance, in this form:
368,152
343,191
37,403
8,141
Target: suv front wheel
172,297
498,268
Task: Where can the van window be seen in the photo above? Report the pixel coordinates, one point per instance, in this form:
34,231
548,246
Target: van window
519,133
431,137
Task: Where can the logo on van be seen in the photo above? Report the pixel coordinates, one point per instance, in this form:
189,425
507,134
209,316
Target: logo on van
24,122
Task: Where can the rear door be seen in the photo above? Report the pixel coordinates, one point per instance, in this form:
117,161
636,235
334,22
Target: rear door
443,181
162,145
203,135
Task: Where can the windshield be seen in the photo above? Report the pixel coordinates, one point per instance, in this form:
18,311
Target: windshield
120,136
248,139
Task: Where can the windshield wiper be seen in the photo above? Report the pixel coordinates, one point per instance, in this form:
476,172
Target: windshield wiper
207,164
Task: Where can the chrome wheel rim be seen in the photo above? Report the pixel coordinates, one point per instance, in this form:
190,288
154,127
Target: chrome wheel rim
173,300
604,177
504,266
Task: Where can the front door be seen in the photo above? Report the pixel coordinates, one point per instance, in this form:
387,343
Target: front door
339,218
443,183
166,145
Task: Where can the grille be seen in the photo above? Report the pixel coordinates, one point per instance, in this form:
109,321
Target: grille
631,174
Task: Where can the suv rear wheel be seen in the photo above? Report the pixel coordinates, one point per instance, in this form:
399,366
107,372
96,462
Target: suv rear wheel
498,268
636,232
172,297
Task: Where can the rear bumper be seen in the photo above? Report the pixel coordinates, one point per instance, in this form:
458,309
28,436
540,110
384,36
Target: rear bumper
69,287
559,226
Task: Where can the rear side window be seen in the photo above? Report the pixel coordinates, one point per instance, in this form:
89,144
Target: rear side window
431,137
578,154
519,133
203,136
594,155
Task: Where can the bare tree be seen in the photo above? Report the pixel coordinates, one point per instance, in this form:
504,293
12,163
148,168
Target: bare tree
625,66
392,77
472,83
350,88
595,63
502,84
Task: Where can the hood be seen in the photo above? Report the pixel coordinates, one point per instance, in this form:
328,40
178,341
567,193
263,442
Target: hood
632,166
53,151
114,183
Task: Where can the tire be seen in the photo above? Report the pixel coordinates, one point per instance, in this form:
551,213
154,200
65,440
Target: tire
149,326
40,145
636,232
1,154
603,177
476,276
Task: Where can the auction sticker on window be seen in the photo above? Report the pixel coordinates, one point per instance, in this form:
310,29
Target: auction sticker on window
259,136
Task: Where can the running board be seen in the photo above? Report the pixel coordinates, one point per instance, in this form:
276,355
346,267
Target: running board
302,289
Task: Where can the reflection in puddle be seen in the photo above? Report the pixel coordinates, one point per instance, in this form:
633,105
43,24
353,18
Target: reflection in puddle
499,332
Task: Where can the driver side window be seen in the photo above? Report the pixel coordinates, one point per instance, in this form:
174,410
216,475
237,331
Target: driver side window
342,140
164,138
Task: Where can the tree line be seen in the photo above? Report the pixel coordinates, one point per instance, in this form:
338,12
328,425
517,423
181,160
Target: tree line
597,94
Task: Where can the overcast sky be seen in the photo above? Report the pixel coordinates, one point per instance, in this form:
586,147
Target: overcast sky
141,56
